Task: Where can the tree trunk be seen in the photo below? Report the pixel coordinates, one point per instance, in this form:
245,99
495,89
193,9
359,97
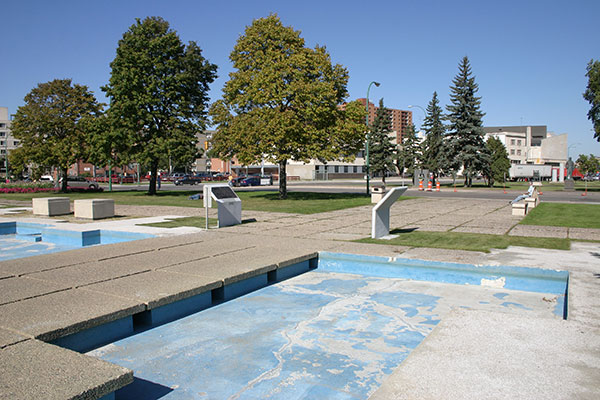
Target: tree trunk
282,180
63,186
153,177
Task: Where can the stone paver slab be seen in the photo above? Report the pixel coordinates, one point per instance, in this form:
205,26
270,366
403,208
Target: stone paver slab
37,370
60,314
539,231
156,288
584,233
8,338
14,289
85,274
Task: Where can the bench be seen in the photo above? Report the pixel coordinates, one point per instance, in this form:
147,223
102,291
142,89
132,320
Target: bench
519,209
94,208
51,206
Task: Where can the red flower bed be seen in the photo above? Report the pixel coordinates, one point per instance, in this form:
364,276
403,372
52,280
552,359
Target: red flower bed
26,190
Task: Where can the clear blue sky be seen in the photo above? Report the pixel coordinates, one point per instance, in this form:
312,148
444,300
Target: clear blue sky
528,57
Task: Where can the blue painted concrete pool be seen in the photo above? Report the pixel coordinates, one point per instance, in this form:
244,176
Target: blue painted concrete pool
335,332
23,239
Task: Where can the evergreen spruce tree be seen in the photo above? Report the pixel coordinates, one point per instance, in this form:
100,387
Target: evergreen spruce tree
410,155
433,145
381,148
465,126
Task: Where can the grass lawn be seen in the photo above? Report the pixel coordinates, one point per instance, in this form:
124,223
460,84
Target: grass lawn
196,222
468,241
567,215
297,202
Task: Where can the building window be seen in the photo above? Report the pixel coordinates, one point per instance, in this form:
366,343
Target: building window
519,152
355,169
2,125
519,142
345,169
512,142
15,142
512,152
2,134
336,169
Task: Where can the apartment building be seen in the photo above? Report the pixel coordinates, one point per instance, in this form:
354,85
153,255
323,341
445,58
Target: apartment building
7,141
400,119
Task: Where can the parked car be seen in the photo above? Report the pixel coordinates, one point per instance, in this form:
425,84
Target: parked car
250,181
79,182
46,178
237,181
186,180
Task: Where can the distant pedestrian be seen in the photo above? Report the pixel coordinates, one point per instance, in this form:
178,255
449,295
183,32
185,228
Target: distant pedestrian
524,195
158,180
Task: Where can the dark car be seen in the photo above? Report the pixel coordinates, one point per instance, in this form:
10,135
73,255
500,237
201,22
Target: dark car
187,180
250,181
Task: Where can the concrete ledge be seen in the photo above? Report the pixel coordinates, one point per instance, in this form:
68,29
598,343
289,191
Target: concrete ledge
63,313
94,208
37,370
51,206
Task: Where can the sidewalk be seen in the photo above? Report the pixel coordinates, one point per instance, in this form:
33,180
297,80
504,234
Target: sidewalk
469,355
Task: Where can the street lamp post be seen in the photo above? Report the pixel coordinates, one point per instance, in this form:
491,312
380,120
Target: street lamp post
422,109
367,123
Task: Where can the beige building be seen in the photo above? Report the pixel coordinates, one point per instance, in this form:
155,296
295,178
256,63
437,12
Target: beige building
533,145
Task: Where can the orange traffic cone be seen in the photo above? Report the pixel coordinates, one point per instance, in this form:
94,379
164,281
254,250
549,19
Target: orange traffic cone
437,186
429,186
421,184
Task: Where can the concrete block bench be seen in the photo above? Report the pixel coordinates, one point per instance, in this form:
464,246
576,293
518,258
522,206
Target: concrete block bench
94,208
519,209
51,206
531,202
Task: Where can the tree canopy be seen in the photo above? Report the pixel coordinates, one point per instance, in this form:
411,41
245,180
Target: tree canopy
465,122
51,125
281,102
158,93
381,149
409,157
592,95
499,161
433,145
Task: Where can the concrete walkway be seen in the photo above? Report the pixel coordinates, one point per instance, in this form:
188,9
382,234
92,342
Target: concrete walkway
468,355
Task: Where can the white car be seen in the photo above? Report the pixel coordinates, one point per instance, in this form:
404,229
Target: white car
46,178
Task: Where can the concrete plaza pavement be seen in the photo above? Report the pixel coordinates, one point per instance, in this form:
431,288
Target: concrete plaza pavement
470,354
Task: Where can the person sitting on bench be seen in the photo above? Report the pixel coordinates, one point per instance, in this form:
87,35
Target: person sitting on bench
524,195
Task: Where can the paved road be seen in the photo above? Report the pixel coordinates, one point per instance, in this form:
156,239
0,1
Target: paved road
356,186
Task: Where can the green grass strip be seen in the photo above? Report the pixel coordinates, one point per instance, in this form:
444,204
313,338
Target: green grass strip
296,203
196,222
468,241
566,215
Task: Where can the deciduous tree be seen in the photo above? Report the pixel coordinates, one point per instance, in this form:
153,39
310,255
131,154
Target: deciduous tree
465,119
281,102
592,95
49,126
158,93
